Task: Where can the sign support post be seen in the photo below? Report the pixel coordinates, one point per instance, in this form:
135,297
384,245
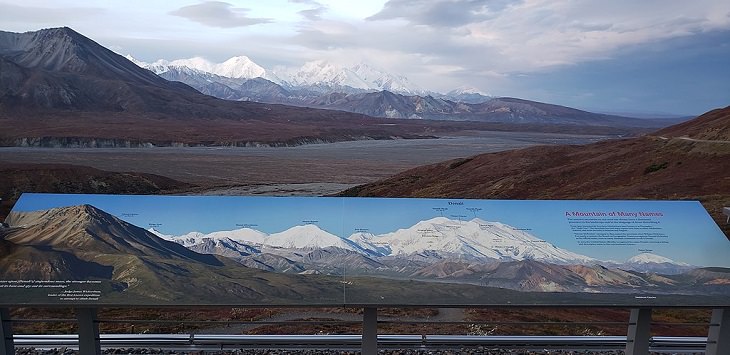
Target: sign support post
89,341
718,338
370,331
639,333
6,333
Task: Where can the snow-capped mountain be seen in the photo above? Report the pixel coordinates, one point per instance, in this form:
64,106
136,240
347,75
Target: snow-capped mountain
365,241
490,253
475,239
245,235
239,67
467,94
233,244
365,89
319,74
647,258
326,75
649,262
472,239
323,74
381,80
309,236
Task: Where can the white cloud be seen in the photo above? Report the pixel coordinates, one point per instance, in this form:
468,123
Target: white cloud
219,14
537,34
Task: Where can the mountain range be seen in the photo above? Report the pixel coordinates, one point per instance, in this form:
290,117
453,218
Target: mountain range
474,251
475,239
315,76
139,266
134,266
373,92
59,88
303,263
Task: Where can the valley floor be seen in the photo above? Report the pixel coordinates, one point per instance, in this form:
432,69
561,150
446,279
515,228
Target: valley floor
314,169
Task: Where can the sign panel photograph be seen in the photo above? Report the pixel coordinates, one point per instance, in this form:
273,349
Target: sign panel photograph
60,249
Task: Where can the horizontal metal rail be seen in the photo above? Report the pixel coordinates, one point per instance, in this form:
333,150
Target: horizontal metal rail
216,342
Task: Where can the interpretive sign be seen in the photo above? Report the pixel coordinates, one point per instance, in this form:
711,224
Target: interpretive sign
215,250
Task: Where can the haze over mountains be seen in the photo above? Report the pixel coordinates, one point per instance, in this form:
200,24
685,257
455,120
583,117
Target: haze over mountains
59,88
367,90
317,76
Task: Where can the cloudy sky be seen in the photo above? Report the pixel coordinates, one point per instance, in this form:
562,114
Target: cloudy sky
668,56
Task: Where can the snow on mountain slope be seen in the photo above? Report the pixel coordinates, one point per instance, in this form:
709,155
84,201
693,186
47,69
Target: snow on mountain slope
467,94
647,258
160,234
233,243
309,237
381,80
466,90
240,67
361,76
475,238
244,235
223,246
199,63
318,73
365,241
323,73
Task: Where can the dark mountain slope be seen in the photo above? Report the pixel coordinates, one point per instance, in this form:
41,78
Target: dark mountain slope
713,125
66,51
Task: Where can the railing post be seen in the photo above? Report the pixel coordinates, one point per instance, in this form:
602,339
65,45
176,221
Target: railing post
370,331
6,333
718,338
89,342
639,333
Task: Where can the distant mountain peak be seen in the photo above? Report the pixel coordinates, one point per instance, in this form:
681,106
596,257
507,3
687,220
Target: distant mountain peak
238,67
467,90
473,238
647,258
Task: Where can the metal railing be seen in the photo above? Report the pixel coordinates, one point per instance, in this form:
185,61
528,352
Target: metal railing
209,342
637,340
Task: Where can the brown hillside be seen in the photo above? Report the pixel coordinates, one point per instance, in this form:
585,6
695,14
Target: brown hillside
645,167
713,125
65,178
